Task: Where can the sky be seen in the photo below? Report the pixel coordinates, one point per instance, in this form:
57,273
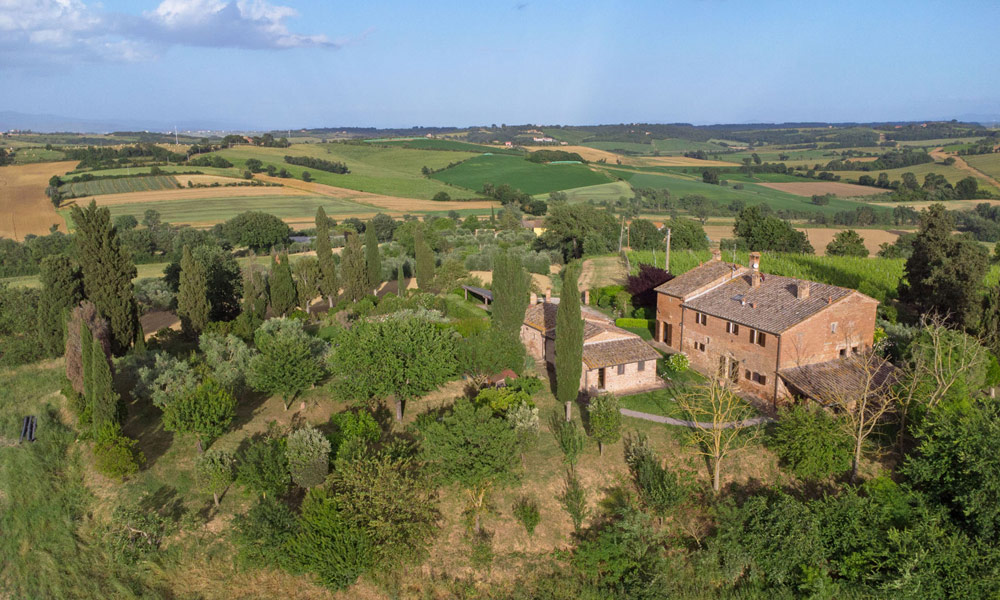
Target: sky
275,64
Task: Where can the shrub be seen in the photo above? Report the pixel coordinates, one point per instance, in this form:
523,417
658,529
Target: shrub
678,362
327,545
308,454
502,400
810,442
523,419
115,453
352,431
633,323
605,419
264,468
215,471
659,488
134,533
570,437
260,534
574,500
206,412
526,511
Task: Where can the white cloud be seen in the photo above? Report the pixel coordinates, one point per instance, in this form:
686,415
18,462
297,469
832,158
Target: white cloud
54,31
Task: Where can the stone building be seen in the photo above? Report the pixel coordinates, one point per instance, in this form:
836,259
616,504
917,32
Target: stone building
764,333
614,360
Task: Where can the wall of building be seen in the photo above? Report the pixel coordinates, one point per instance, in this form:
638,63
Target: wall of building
735,348
816,340
632,380
668,310
534,342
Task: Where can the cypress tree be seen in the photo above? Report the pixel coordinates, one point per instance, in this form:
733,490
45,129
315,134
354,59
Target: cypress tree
103,399
511,285
425,260
354,271
62,289
329,286
254,293
569,340
192,294
373,261
282,286
108,272
400,281
87,361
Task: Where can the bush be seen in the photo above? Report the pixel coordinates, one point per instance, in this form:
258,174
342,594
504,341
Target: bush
326,545
659,488
634,323
570,437
215,471
260,534
308,454
810,442
574,500
115,453
525,510
678,363
605,419
135,533
352,431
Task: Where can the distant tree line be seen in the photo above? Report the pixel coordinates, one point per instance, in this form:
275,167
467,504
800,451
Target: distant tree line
109,158
544,156
318,164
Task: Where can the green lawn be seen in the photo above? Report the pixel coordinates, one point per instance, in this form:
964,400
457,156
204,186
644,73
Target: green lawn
663,402
529,177
390,171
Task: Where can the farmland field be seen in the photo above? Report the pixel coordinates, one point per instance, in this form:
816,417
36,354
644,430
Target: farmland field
529,177
597,193
951,173
32,154
24,207
818,188
819,237
987,163
439,144
389,171
120,186
201,194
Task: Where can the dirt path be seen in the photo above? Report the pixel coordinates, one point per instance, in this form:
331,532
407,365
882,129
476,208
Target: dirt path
24,207
699,424
939,154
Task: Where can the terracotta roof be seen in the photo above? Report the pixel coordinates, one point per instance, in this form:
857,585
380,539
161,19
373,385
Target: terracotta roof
698,277
542,316
840,380
617,352
771,307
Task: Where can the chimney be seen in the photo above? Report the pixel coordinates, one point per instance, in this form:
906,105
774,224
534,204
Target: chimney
716,254
755,269
533,298
586,297
548,294
802,289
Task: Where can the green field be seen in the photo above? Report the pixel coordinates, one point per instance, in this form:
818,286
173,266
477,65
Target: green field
439,144
664,147
603,192
987,163
120,186
389,171
751,194
952,174
529,177
34,154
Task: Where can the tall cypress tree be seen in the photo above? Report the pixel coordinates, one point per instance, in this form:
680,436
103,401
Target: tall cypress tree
62,289
282,286
400,280
192,294
87,361
569,340
329,286
108,272
511,285
103,399
425,259
373,261
353,269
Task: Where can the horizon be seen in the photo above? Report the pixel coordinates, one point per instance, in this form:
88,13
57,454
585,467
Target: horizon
316,65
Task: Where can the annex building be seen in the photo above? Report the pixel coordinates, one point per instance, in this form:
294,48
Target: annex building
614,360
775,337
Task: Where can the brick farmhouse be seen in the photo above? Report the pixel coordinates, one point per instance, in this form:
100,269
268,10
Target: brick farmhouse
614,360
774,337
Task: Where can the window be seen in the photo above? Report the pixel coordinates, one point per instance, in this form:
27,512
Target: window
642,365
699,346
833,327
758,337
746,374
621,369
843,351
701,318
854,349
732,328
758,378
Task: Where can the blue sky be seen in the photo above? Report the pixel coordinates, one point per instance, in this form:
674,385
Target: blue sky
283,63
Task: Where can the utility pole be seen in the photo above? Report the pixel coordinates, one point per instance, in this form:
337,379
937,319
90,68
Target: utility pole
176,143
667,261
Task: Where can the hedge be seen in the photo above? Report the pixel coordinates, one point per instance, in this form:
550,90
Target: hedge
628,322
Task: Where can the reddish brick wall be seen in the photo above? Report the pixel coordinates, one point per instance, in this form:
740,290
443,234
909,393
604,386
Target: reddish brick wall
735,347
814,340
668,311
534,342
632,380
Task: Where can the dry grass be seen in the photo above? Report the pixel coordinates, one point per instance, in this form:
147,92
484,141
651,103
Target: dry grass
602,271
950,204
820,237
205,179
542,282
187,194
24,207
818,188
162,319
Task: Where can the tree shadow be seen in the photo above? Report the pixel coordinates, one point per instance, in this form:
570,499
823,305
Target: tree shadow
250,401
166,502
582,405
144,424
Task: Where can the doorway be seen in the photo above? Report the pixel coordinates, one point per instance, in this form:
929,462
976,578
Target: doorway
601,378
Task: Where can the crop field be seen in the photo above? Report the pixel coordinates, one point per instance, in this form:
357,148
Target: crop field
818,188
751,194
952,173
33,154
819,237
588,153
665,146
529,177
120,186
389,171
439,144
950,204
987,163
603,192
201,194
24,207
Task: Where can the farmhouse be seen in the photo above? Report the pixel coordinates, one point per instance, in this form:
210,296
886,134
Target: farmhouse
614,360
765,333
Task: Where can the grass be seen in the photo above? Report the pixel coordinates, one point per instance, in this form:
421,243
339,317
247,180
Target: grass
439,144
663,402
529,177
602,192
389,171
120,186
684,185
987,163
34,154
951,173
